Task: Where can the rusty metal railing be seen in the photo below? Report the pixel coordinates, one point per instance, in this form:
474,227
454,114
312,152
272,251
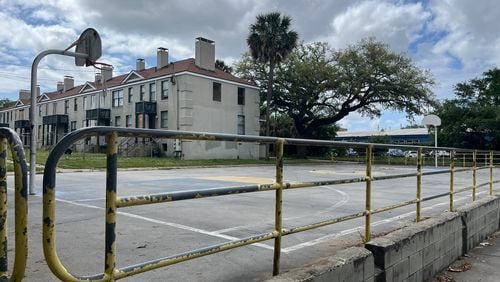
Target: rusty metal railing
10,139
113,203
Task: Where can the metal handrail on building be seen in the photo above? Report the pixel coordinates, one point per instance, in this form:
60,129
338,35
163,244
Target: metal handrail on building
113,202
9,138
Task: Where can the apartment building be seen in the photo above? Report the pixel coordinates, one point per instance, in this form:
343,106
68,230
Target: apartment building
188,95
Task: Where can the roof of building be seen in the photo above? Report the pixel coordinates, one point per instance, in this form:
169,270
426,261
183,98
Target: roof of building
398,132
178,66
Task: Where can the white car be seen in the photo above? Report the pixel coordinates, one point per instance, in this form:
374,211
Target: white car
411,154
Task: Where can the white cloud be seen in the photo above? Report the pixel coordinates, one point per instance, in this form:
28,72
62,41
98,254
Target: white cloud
396,24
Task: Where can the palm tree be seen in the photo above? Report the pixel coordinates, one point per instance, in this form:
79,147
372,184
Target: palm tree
221,65
270,41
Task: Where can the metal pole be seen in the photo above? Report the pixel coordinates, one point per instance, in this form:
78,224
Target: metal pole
419,182
435,145
368,196
491,172
3,208
452,171
33,118
110,212
278,226
474,155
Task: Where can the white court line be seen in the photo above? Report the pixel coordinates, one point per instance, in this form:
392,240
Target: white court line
343,201
171,224
353,230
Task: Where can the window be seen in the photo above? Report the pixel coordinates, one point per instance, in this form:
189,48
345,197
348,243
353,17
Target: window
217,91
39,111
128,120
241,124
84,103
73,126
7,117
164,89
141,93
118,121
164,119
54,108
75,104
66,107
92,102
130,94
118,98
241,96
152,92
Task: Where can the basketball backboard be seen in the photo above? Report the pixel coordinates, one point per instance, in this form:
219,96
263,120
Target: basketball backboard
89,43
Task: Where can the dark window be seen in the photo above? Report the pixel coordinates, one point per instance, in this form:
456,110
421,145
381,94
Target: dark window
118,121
118,98
241,96
164,89
152,92
164,119
128,121
73,126
54,108
75,104
130,94
141,93
66,107
241,124
217,88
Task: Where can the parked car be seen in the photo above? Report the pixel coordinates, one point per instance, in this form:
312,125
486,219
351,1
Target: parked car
351,152
411,154
440,153
395,153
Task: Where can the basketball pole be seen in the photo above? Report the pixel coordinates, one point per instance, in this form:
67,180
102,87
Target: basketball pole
33,114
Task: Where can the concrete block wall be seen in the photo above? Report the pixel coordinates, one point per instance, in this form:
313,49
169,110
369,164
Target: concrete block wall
417,252
352,264
414,253
479,219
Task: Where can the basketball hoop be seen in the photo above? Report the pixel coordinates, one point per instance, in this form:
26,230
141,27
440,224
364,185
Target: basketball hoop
89,43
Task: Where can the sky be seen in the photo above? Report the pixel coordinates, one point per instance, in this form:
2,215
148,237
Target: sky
456,40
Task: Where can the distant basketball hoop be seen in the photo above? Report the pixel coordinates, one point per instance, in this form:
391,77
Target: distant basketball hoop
433,120
89,43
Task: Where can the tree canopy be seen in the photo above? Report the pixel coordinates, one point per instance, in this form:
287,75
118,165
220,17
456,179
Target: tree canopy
6,103
472,119
317,86
221,65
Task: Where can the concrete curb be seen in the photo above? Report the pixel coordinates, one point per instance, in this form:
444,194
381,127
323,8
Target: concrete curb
351,264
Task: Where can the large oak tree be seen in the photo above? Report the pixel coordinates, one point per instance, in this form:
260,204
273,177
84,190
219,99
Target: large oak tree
317,86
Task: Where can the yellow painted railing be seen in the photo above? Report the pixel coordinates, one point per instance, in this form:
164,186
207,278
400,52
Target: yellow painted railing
113,203
10,139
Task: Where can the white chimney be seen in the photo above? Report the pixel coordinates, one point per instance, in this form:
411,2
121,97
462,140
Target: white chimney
107,73
161,57
140,64
69,83
205,53
24,94
98,78
60,86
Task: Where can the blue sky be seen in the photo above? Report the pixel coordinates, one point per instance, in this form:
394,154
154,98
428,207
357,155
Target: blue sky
455,40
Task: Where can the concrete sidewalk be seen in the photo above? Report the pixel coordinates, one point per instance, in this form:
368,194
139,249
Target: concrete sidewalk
481,264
